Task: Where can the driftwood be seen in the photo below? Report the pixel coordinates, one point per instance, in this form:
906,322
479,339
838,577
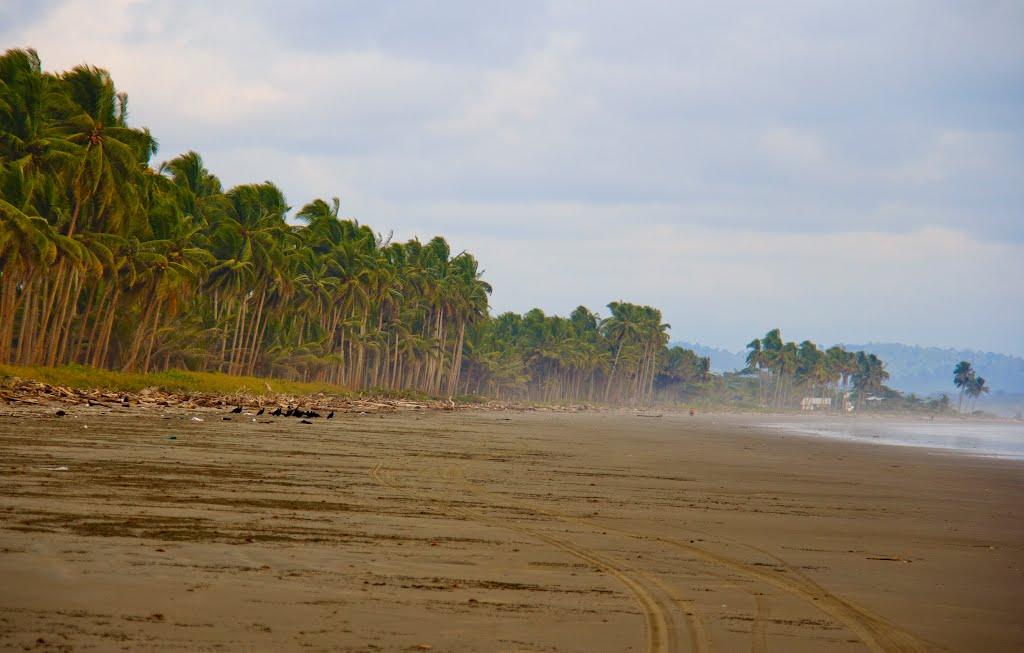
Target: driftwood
28,391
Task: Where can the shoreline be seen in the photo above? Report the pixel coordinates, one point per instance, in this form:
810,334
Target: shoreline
31,396
32,391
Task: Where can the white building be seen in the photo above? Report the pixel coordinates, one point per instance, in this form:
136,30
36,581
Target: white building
815,403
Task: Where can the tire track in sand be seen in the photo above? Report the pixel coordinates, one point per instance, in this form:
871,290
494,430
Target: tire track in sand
661,636
879,635
699,640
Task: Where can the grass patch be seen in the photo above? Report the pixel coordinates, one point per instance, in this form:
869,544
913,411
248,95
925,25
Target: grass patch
86,378
470,399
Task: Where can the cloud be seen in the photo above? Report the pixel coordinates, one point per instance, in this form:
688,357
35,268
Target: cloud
733,285
731,162
789,146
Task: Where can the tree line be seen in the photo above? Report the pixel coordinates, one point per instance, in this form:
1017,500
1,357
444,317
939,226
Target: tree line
787,370
110,261
623,358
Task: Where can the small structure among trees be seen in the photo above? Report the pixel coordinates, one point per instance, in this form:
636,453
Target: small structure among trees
815,403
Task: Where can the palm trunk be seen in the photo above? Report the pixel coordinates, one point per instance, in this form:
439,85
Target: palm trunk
611,375
257,332
73,298
103,352
79,338
235,342
35,292
97,324
152,337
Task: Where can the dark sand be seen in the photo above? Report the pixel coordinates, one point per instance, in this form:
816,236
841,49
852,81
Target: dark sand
497,531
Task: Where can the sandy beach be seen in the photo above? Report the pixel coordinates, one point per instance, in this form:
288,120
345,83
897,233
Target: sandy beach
497,531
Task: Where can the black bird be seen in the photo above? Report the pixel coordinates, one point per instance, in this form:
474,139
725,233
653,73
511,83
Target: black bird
312,413
276,412
305,421
260,412
236,410
60,413
330,415
289,412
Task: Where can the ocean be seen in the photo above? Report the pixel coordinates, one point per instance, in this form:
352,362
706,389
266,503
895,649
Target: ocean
998,439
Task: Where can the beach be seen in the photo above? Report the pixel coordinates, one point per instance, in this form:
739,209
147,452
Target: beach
172,529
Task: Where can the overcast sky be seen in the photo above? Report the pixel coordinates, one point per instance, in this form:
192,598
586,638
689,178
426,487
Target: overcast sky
848,172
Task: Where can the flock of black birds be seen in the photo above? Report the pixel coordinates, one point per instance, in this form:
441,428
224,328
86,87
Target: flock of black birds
290,411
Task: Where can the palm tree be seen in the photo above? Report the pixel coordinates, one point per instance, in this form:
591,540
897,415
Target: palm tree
976,388
108,261
757,360
963,379
870,375
27,246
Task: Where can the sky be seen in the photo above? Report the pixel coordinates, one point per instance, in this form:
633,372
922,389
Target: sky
848,172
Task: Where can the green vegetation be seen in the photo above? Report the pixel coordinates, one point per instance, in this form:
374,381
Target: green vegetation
620,359
79,376
111,263
968,383
786,371
119,274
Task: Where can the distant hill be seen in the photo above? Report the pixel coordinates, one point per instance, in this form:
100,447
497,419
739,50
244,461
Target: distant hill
923,370
722,360
930,369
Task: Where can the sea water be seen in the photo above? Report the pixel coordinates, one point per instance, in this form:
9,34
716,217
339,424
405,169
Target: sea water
999,439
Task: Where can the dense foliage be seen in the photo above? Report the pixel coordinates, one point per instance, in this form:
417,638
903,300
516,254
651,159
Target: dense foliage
784,368
621,359
110,262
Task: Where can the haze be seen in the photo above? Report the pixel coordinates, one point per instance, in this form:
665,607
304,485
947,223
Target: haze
845,173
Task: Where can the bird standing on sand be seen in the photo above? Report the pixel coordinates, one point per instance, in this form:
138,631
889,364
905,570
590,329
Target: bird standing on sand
260,412
276,412
289,412
330,415
236,410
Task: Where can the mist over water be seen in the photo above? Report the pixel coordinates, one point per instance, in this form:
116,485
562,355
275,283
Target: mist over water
997,439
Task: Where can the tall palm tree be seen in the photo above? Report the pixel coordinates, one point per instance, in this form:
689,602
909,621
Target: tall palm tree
963,379
108,261
976,388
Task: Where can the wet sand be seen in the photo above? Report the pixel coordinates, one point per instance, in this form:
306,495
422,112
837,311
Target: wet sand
497,531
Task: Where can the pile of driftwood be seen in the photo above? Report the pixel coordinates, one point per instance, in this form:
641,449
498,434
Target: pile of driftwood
15,390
